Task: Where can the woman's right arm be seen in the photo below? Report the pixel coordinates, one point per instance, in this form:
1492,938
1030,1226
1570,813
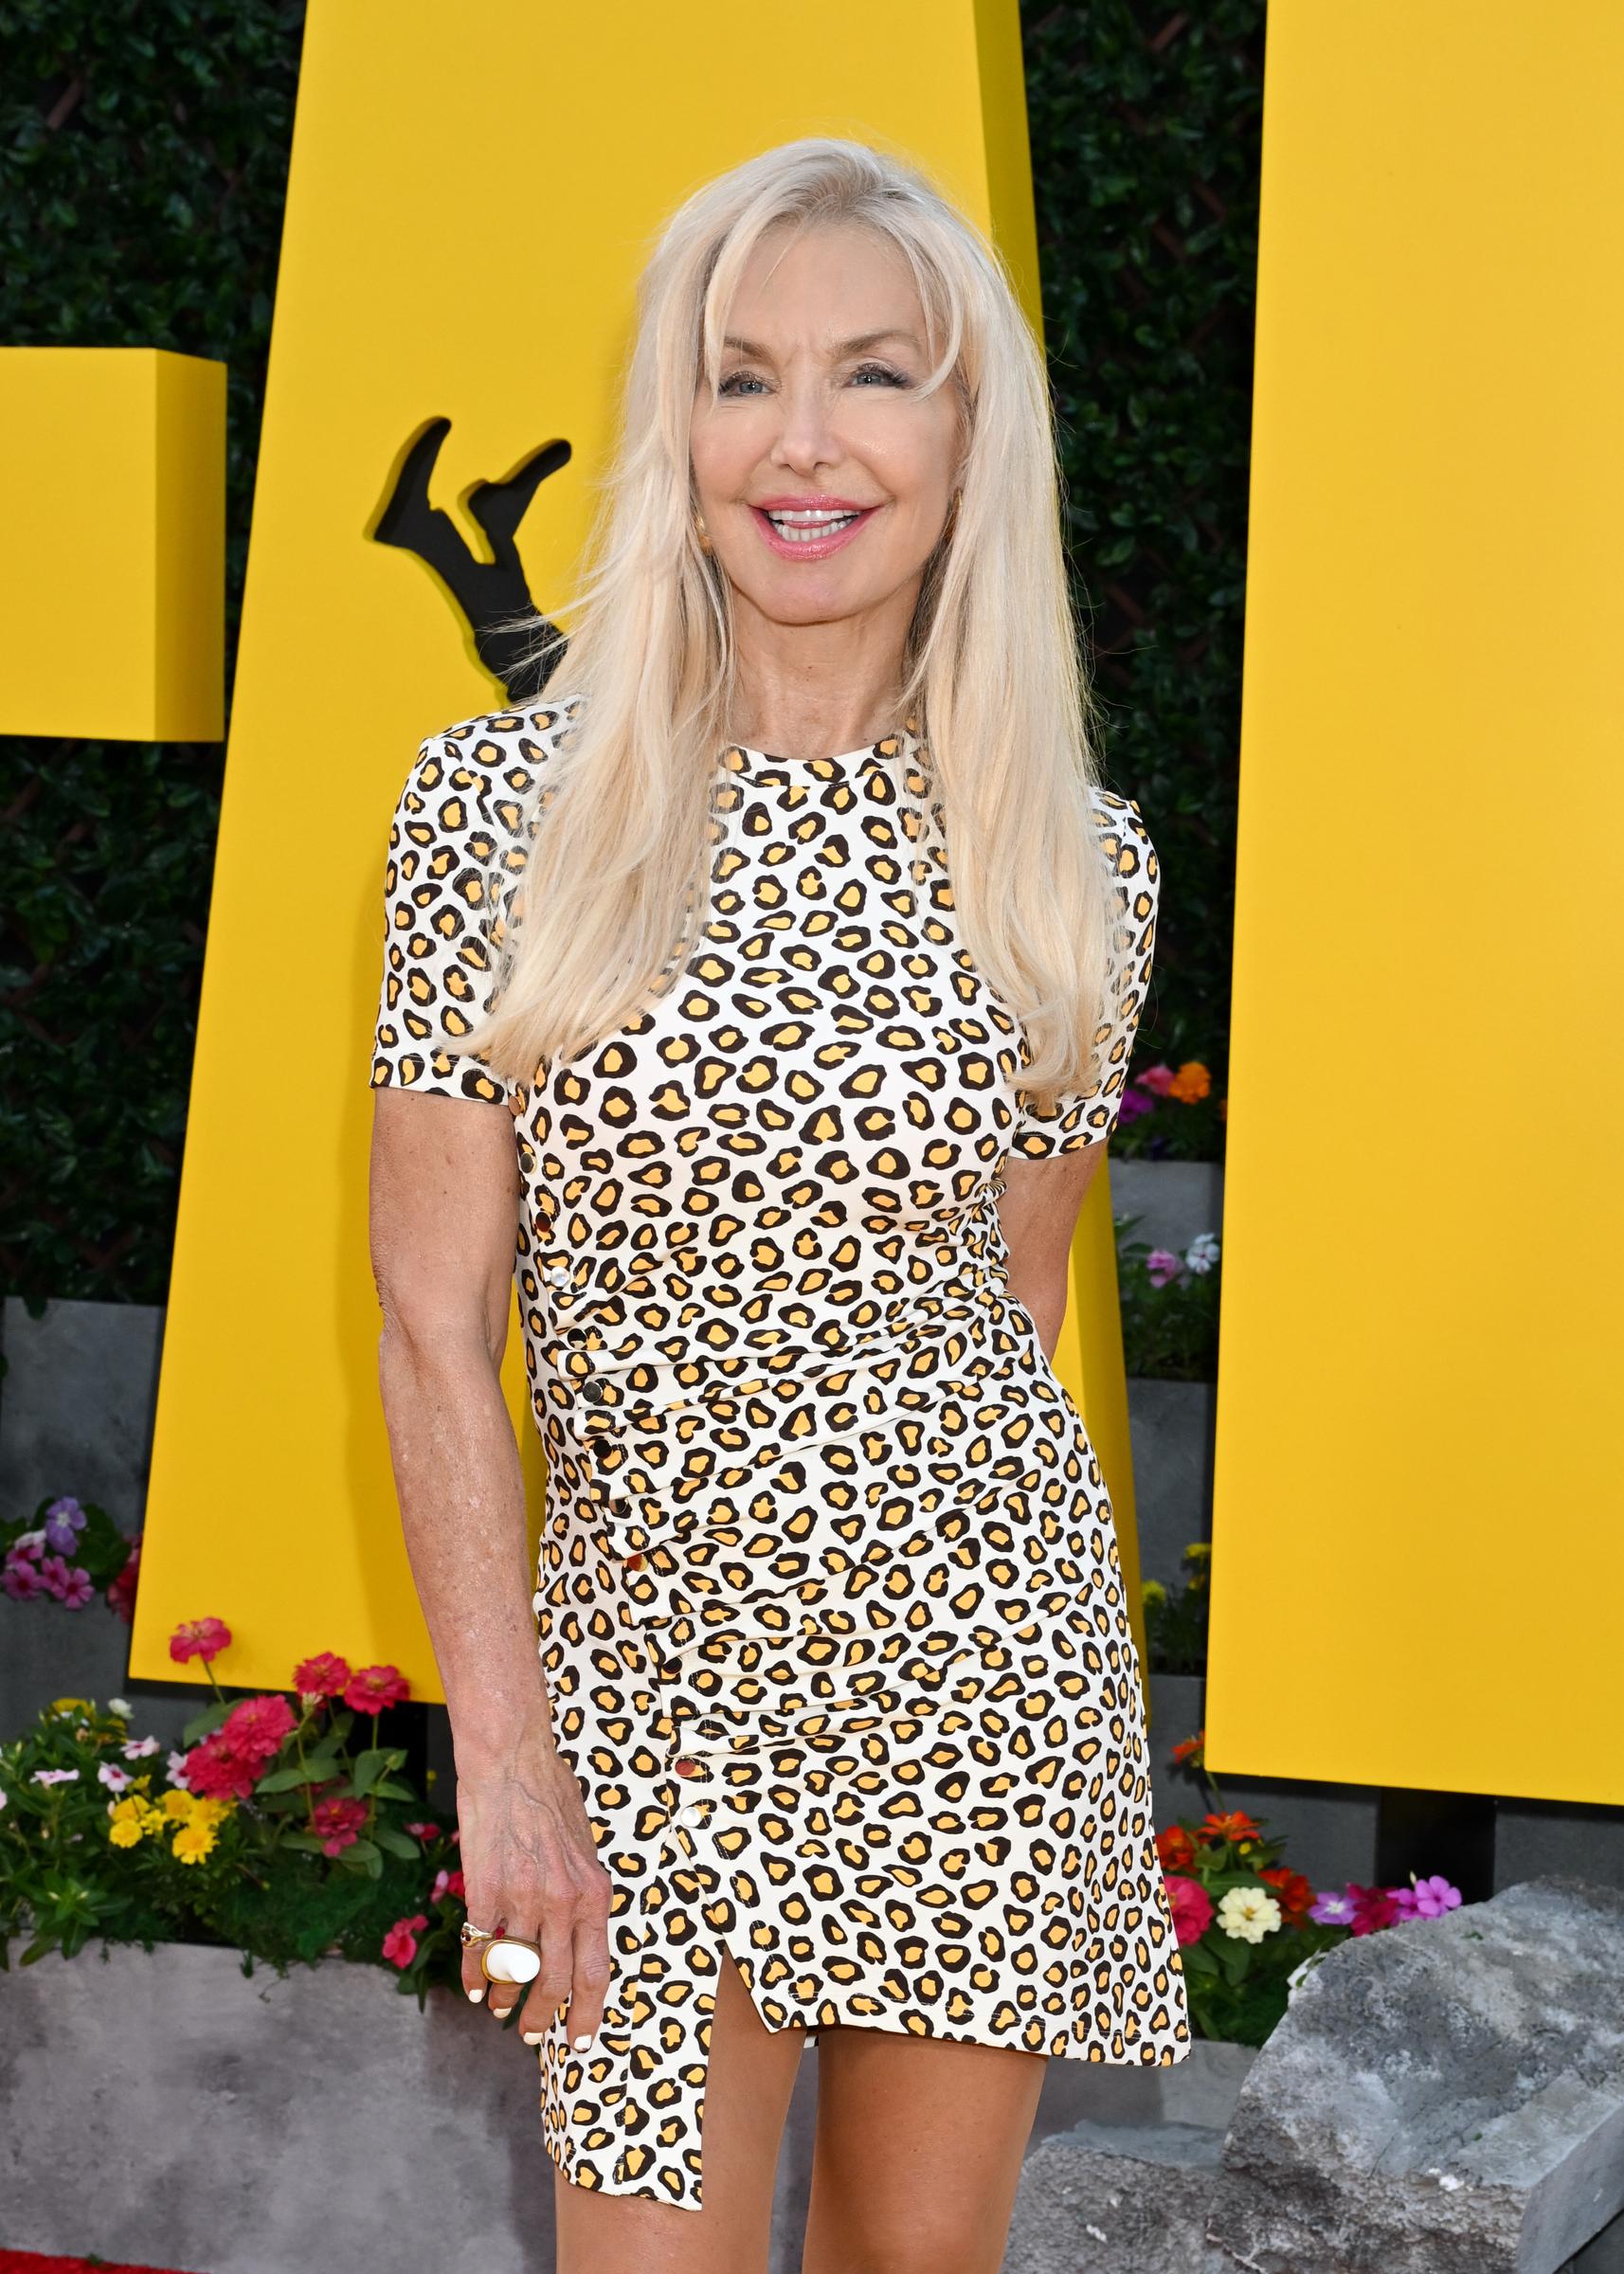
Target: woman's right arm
443,1208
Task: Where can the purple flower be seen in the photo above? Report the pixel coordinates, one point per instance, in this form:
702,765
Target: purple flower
1134,1102
64,1521
21,1579
1331,1910
1162,1265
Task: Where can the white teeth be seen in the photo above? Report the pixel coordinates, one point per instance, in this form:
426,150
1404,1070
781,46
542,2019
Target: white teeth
800,526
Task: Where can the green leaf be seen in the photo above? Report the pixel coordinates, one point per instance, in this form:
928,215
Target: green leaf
204,1724
284,1780
396,1843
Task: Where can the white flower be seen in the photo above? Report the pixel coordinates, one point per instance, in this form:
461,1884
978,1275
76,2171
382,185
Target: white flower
1248,1914
56,1777
177,1772
138,1747
5,1798
121,1707
113,1776
1202,1252
34,1539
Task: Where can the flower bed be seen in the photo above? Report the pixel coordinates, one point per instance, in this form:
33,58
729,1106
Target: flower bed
271,1830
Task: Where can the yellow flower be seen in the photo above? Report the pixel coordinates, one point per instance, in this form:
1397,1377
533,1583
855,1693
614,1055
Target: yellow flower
70,1705
126,1832
209,1810
192,1842
1152,1592
1199,1551
177,1803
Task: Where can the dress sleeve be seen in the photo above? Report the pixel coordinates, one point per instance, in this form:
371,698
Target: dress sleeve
442,916
1082,1117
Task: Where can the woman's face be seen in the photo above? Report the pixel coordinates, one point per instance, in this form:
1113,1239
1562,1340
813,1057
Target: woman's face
823,481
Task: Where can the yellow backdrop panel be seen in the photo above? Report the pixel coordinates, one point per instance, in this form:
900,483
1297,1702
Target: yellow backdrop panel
467,213
112,576
1417,1551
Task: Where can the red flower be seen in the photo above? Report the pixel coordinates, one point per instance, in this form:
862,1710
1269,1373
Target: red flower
400,1944
217,1772
448,1883
1192,1750
1373,1907
376,1687
121,1591
1295,1893
256,1727
323,1676
337,1823
201,1638
1175,1849
1191,1905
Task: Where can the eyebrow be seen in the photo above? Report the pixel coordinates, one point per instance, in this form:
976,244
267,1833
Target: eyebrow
859,346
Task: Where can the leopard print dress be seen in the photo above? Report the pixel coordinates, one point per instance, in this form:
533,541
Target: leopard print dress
828,1597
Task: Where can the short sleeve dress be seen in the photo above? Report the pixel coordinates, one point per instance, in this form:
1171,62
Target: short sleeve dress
828,1597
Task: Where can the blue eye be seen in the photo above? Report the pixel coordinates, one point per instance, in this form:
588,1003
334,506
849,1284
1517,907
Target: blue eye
732,380
882,371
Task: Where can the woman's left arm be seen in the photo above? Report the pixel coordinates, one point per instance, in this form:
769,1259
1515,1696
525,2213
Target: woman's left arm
1038,1212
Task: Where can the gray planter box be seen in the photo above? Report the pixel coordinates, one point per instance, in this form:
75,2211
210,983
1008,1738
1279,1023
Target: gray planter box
256,2125
1173,1200
1172,1426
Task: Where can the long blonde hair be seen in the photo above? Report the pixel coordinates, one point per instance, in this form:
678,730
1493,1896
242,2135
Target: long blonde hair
614,893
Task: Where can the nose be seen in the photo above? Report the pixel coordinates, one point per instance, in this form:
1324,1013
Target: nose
806,437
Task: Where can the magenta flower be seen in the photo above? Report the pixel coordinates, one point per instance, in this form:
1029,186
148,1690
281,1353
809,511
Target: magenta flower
21,1579
326,1675
1162,1265
201,1638
1425,1898
256,1727
1134,1102
1159,1077
78,1589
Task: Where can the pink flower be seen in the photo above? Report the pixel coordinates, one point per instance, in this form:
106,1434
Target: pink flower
376,1687
21,1579
448,1883
78,1589
255,1728
1425,1898
215,1771
201,1638
1373,1908
1158,1078
422,1831
323,1676
337,1823
1162,1265
116,1778
400,1944
1192,1906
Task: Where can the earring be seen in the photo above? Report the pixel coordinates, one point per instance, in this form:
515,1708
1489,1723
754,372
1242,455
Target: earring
702,534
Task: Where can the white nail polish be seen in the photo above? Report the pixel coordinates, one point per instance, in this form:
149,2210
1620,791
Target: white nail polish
582,2045
533,2036
475,1995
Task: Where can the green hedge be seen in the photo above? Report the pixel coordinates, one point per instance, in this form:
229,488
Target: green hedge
143,157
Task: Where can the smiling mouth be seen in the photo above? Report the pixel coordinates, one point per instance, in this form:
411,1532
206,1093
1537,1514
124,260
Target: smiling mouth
801,527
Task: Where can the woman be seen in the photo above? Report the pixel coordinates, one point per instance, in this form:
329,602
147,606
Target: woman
785,1074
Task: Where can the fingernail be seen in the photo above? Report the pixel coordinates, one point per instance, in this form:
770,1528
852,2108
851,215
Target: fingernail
582,2045
533,2036
475,1995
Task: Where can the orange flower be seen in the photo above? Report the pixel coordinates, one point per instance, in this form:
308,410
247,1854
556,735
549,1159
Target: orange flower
1191,1082
1237,1826
1175,1849
1190,1750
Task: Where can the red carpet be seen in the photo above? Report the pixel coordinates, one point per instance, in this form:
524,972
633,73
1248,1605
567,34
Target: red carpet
25,2262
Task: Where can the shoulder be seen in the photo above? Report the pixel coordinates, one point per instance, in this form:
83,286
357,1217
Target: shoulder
1126,840
473,780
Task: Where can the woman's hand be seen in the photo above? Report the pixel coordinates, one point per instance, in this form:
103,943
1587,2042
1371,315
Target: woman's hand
531,1868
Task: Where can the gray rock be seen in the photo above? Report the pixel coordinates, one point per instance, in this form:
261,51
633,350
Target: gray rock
1443,2098
1129,2198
